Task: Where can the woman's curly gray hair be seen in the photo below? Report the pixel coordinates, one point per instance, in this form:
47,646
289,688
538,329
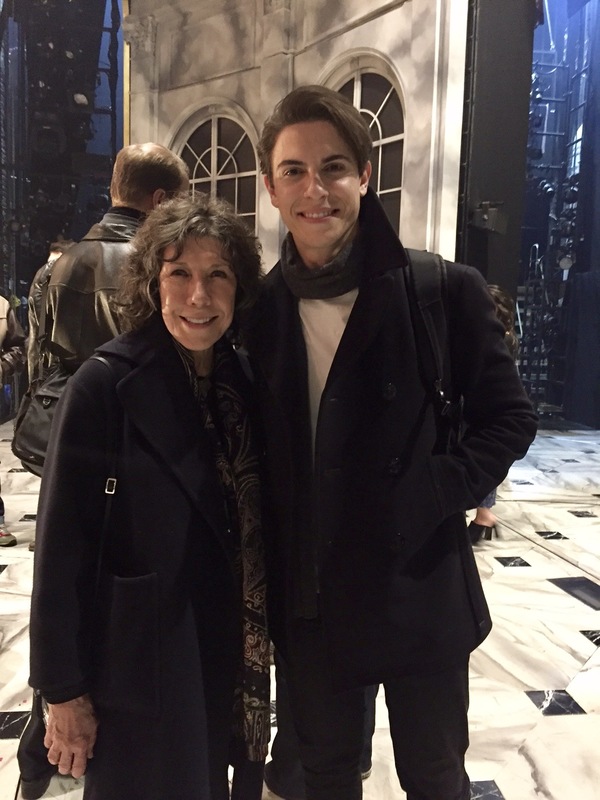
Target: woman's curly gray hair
172,223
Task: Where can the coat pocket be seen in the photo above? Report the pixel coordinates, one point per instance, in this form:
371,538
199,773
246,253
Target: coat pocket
128,645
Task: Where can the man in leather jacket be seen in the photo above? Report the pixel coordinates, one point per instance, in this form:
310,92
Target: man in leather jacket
80,318
36,363
84,279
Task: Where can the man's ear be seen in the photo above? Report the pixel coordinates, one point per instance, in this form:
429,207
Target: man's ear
364,178
271,191
158,195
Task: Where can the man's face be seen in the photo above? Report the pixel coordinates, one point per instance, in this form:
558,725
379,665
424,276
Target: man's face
317,189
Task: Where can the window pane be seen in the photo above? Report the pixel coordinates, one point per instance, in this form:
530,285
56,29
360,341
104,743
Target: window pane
200,186
245,156
229,134
250,221
348,90
379,97
391,118
190,158
391,205
200,168
246,195
374,91
226,190
391,165
199,141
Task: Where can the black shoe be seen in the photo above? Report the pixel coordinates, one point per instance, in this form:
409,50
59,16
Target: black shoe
476,532
278,789
32,790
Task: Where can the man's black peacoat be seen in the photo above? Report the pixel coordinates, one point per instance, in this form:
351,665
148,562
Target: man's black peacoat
380,498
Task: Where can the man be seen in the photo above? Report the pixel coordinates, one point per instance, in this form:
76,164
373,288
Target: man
372,575
35,363
80,318
84,280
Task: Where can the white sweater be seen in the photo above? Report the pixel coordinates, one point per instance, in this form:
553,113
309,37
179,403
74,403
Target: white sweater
323,323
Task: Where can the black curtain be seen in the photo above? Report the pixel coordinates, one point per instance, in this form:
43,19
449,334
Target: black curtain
582,380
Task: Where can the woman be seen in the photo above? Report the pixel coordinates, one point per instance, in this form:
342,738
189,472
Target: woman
484,522
149,643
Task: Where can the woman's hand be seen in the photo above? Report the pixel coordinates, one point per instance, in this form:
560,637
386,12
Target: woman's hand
71,735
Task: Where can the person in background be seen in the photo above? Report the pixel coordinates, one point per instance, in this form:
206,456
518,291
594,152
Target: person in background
150,648
372,577
12,360
36,366
80,316
80,313
483,524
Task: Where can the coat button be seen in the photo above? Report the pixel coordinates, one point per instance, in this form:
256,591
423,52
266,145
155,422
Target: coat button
399,543
394,466
389,391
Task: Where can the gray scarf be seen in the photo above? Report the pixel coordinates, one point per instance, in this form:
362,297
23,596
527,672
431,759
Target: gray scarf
340,275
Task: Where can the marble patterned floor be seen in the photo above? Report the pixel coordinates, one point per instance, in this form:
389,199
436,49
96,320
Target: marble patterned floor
535,682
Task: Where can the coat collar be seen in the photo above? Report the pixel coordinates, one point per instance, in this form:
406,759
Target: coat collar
115,226
156,397
384,250
384,257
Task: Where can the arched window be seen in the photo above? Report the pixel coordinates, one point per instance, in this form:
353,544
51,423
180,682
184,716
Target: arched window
222,162
379,103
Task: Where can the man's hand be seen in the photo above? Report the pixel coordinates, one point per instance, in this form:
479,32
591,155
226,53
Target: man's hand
71,735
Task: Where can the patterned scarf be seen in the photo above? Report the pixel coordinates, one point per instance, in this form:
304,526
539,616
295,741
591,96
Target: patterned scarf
225,419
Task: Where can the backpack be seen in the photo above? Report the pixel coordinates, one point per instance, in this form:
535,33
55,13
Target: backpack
36,411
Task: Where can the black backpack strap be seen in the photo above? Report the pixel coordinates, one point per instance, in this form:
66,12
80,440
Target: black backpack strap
114,434
428,280
43,326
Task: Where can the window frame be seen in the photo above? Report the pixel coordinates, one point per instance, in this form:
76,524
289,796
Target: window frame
213,112
353,67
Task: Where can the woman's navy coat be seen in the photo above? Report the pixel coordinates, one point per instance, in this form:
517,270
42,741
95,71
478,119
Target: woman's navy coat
166,552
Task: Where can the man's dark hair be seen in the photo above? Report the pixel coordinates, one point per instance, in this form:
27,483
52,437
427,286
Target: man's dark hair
316,104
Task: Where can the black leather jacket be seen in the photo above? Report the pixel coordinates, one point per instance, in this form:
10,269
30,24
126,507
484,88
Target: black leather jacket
12,341
80,316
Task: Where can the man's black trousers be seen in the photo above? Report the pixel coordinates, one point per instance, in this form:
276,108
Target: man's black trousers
427,715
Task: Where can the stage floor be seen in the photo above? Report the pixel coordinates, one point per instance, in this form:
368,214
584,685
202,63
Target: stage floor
535,682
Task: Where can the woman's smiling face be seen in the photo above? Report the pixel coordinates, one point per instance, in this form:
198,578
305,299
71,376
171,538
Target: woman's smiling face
197,294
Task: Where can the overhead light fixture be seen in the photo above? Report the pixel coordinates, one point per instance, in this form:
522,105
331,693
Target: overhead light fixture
80,99
566,262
